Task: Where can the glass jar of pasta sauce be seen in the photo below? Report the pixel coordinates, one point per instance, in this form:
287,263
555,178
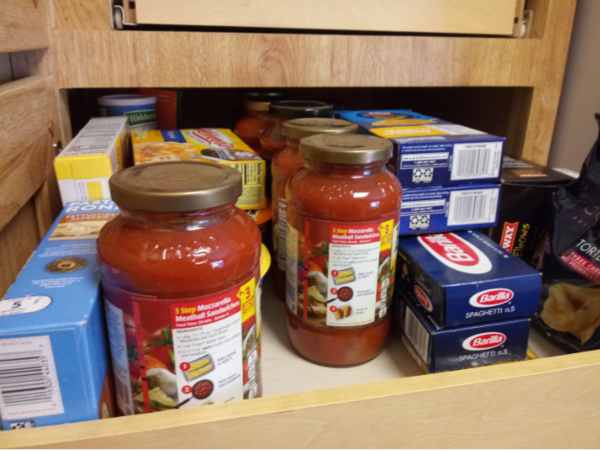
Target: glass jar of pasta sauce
273,140
256,117
285,164
342,233
180,273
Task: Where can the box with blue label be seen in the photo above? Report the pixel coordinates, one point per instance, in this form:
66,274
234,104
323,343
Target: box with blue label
439,209
430,151
465,278
459,347
54,357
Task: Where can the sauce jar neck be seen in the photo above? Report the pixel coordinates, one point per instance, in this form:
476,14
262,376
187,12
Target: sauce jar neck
345,170
293,144
185,220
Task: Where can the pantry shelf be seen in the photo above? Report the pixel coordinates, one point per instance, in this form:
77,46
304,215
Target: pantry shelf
304,404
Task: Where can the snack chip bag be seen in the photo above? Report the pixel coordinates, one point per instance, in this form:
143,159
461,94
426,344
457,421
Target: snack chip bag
568,254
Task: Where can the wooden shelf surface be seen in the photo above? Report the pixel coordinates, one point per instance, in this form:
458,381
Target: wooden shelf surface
547,402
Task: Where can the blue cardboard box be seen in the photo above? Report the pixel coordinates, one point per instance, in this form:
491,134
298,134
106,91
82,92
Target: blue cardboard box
54,359
440,209
465,278
460,347
430,151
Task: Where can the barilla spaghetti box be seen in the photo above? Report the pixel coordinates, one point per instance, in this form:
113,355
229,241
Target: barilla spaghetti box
213,145
54,357
460,347
439,209
465,278
524,184
430,151
98,151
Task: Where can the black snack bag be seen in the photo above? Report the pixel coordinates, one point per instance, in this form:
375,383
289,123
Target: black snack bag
568,255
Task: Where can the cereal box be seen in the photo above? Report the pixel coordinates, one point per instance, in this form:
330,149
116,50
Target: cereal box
54,357
213,145
97,152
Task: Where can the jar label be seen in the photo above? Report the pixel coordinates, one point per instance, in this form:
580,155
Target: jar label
341,274
281,234
177,353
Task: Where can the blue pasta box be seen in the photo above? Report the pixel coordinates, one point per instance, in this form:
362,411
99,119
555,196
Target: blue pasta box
458,348
439,209
431,151
54,357
465,278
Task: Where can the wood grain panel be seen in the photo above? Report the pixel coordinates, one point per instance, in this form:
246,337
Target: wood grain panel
550,402
17,242
25,111
492,17
23,25
82,15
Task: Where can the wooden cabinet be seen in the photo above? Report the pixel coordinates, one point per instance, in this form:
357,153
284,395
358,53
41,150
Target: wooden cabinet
549,402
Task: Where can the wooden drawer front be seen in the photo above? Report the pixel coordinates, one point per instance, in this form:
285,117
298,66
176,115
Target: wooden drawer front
488,17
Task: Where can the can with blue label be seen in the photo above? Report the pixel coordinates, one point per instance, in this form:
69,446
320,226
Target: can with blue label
140,109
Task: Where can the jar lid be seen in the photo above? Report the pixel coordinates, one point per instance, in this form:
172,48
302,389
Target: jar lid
308,126
174,186
260,101
292,109
345,149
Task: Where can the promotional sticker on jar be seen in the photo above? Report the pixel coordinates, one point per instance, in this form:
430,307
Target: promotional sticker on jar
340,274
184,352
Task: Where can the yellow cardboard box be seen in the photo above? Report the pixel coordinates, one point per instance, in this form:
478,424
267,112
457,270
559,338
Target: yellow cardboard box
97,152
214,145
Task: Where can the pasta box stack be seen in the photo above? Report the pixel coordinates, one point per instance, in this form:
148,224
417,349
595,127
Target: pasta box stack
461,299
449,173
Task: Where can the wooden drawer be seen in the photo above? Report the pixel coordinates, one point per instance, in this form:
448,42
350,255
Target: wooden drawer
490,17
549,402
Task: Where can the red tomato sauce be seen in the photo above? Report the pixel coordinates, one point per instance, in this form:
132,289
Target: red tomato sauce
338,194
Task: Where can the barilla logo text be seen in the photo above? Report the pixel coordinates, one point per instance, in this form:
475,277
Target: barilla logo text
491,298
484,341
456,253
212,138
423,298
508,235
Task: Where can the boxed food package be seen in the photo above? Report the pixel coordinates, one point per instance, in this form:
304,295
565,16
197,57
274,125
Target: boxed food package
97,152
439,209
430,151
524,184
213,145
54,358
168,106
457,348
568,255
465,278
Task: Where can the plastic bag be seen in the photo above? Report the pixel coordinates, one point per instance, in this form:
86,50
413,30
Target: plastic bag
568,255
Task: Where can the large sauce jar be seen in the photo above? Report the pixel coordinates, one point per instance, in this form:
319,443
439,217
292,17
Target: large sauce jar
256,117
273,140
343,215
180,270
285,164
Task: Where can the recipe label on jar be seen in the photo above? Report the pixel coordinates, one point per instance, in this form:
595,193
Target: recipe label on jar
186,352
341,274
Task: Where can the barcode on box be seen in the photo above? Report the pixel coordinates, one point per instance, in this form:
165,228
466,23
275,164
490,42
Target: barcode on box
476,161
473,206
417,334
28,382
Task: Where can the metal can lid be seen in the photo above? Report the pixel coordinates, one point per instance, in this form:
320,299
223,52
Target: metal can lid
308,126
345,149
260,101
292,109
175,186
